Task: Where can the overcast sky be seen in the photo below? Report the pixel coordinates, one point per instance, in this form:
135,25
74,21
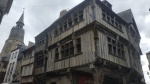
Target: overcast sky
39,14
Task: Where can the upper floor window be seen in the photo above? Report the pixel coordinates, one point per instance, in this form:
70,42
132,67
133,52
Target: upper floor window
78,44
69,22
80,15
12,56
15,55
39,60
68,49
75,19
41,41
61,28
111,19
56,32
56,54
115,47
65,25
32,54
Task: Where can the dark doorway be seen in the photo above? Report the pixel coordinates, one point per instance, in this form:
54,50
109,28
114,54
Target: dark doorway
110,80
53,83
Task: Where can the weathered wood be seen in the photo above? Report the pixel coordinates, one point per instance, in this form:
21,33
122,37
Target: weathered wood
98,75
87,55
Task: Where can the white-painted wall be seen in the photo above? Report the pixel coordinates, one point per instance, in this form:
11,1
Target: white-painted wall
11,68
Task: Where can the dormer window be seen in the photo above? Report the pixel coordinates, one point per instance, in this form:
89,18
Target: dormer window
56,32
75,18
70,22
65,25
80,15
61,29
111,19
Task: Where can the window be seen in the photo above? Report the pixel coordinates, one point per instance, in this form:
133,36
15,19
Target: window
68,49
61,29
70,22
71,48
104,14
65,25
15,55
12,56
108,18
80,15
63,50
111,19
9,67
78,45
115,48
56,54
75,18
41,41
39,60
25,69
32,54
56,32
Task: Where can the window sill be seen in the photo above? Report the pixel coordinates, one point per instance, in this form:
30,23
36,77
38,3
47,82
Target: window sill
113,25
117,56
68,57
39,66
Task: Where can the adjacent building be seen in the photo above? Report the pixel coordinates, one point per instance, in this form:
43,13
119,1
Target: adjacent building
89,44
3,66
27,66
5,6
15,38
148,58
12,72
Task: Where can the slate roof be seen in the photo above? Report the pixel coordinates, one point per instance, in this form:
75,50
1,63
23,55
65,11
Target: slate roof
126,15
59,20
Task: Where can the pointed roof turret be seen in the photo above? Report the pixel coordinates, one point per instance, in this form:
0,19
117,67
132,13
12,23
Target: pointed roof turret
21,20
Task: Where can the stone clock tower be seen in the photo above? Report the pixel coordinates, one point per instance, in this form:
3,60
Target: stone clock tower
15,38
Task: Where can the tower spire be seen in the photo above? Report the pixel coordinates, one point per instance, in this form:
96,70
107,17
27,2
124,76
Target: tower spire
21,20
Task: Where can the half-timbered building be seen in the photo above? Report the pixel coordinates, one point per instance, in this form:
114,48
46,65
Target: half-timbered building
27,66
89,44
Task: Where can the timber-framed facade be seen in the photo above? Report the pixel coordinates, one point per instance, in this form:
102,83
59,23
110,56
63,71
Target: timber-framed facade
90,44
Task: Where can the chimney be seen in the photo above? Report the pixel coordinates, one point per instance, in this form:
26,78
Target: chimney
62,13
106,3
30,44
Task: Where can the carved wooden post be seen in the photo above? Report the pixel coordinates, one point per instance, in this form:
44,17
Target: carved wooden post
126,78
98,74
